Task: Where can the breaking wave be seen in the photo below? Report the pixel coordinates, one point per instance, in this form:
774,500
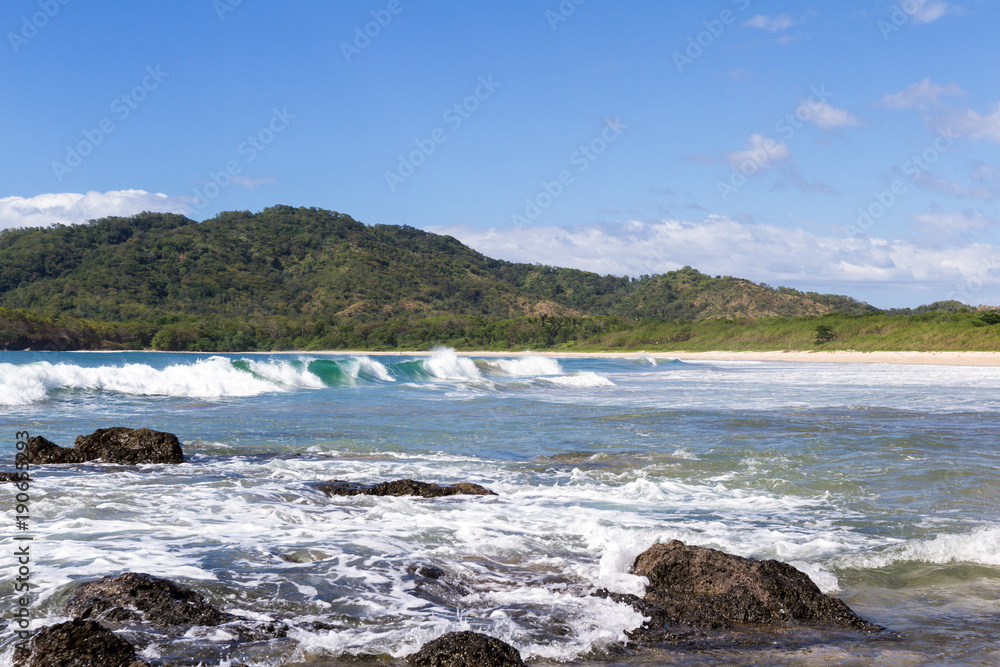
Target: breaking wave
219,377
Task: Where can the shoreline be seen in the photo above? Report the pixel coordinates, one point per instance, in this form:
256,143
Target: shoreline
946,358
843,357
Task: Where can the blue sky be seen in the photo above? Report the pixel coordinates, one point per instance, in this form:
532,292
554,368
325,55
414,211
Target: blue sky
847,147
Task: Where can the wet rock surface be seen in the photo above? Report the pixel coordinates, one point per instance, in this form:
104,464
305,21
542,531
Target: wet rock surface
694,587
138,598
402,487
41,451
127,446
466,649
130,446
135,597
77,643
14,477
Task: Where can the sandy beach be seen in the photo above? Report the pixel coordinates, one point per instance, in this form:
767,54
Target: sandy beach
842,357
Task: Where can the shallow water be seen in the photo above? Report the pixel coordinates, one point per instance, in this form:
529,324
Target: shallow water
882,482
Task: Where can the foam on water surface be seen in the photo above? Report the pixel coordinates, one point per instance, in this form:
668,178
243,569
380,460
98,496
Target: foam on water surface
444,364
527,366
980,546
593,461
214,377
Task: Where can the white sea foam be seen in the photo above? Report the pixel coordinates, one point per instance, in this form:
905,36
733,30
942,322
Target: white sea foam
254,533
444,364
825,580
980,546
616,561
358,366
584,530
215,377
527,366
580,379
285,373
597,622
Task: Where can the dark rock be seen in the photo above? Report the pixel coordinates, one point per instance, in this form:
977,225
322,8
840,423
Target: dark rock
425,570
142,598
247,631
137,598
128,446
42,451
402,487
14,477
705,588
77,643
466,649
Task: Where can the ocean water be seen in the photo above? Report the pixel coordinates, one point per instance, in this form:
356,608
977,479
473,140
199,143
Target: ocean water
882,482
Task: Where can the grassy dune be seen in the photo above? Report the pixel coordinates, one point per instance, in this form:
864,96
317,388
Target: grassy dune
867,333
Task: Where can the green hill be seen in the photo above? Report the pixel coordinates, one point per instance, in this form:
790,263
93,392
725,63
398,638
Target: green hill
304,277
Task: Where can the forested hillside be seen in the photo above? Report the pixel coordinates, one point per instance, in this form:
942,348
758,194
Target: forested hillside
297,277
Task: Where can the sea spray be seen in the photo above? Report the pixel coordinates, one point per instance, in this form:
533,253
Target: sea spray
214,377
527,366
444,364
581,379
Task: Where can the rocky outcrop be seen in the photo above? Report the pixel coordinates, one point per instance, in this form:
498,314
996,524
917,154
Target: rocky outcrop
128,446
138,598
14,477
704,588
41,451
402,487
77,643
466,649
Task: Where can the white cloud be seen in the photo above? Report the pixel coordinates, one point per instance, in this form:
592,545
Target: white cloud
926,12
827,117
760,152
921,95
981,127
720,245
770,23
70,208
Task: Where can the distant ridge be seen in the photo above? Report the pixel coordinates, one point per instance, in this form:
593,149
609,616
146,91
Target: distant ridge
295,277
289,261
